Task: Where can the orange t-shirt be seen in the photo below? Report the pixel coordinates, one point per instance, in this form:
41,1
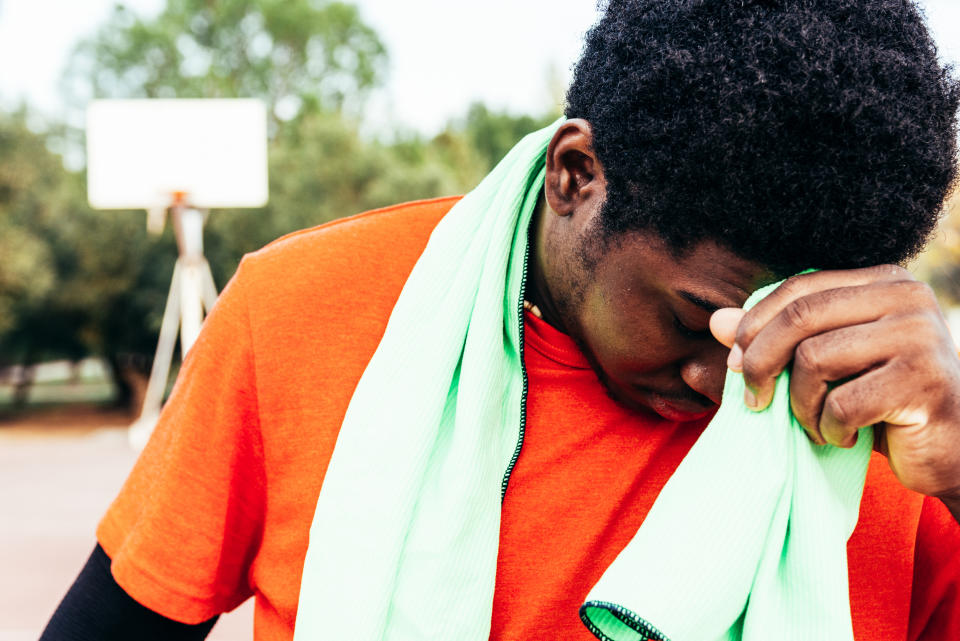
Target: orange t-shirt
218,507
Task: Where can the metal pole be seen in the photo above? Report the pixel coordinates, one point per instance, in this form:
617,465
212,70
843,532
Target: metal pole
191,290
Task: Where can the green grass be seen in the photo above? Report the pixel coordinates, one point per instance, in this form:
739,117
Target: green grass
61,393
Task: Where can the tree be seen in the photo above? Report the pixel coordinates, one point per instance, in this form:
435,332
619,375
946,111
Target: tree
939,265
493,133
312,63
29,175
321,169
306,59
34,194
297,55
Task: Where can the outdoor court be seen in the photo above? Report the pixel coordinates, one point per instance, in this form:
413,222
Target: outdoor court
55,483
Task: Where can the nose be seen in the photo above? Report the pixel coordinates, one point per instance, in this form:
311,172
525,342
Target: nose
705,371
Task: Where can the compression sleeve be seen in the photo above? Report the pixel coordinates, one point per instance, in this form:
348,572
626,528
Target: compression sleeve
97,609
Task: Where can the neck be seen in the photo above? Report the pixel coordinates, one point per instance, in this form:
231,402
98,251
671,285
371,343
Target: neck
537,291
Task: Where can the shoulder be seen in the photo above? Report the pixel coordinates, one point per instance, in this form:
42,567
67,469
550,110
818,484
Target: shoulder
338,274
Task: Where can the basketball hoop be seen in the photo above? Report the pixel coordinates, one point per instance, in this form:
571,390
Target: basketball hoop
185,156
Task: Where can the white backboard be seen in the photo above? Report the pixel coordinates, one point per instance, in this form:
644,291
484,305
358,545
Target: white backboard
140,152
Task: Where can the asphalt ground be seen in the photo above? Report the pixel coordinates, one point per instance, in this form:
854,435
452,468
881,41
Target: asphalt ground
56,481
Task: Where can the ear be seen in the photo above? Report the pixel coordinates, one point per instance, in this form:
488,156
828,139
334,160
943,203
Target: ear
574,175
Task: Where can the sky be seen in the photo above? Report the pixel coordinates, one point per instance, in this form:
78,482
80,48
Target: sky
443,54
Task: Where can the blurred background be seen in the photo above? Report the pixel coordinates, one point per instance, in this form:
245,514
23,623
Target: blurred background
369,103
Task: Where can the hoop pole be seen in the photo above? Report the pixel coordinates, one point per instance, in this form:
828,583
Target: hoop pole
191,290
209,287
164,355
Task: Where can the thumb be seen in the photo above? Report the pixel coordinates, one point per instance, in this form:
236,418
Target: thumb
724,323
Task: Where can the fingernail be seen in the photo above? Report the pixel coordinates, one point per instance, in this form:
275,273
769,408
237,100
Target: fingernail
750,398
735,359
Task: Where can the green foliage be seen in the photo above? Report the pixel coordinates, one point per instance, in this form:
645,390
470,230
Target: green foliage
297,55
939,265
74,281
31,194
26,272
492,134
65,269
322,169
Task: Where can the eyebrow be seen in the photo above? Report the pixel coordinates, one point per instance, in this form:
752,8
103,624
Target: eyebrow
708,305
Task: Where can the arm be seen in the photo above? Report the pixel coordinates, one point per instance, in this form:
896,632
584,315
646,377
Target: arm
96,608
182,533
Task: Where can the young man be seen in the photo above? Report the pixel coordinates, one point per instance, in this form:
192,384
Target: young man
711,147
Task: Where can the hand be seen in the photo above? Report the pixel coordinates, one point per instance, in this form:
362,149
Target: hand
868,346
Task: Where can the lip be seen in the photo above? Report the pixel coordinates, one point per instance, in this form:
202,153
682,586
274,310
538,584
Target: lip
679,410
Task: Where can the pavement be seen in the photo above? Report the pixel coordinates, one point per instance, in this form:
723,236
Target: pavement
55,484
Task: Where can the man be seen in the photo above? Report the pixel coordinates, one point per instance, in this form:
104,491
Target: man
711,147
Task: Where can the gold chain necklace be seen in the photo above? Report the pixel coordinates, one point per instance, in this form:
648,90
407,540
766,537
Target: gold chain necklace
533,309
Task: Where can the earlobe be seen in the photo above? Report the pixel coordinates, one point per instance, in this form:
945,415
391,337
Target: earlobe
573,173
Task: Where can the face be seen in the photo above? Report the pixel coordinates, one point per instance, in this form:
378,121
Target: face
639,312
642,317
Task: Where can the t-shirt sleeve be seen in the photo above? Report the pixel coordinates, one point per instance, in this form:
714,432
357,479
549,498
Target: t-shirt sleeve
185,528
935,601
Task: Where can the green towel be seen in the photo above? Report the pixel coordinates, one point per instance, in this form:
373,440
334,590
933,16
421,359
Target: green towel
403,544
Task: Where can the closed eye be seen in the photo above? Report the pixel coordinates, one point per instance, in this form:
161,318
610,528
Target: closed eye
686,332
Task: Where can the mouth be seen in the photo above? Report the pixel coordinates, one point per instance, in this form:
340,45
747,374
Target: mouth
683,407
679,408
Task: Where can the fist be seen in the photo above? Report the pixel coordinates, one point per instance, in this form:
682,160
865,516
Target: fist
865,347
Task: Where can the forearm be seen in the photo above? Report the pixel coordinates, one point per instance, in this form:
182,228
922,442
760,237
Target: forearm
97,608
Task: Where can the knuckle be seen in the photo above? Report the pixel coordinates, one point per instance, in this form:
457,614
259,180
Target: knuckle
892,272
807,357
930,324
753,369
800,314
928,375
794,286
923,329
925,294
749,327
839,409
917,289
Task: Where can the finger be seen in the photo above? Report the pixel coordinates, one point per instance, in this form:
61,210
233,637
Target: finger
878,396
835,356
776,343
723,326
805,284
724,323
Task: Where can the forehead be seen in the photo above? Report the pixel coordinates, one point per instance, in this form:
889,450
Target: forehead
705,274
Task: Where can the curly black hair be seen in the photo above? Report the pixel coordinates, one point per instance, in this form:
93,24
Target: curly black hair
794,133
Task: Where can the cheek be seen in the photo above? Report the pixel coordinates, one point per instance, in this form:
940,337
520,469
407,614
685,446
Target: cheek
625,342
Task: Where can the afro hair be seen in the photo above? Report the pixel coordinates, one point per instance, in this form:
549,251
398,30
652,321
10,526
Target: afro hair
795,133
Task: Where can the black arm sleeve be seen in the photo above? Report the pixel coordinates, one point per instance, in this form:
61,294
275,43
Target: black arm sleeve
97,609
